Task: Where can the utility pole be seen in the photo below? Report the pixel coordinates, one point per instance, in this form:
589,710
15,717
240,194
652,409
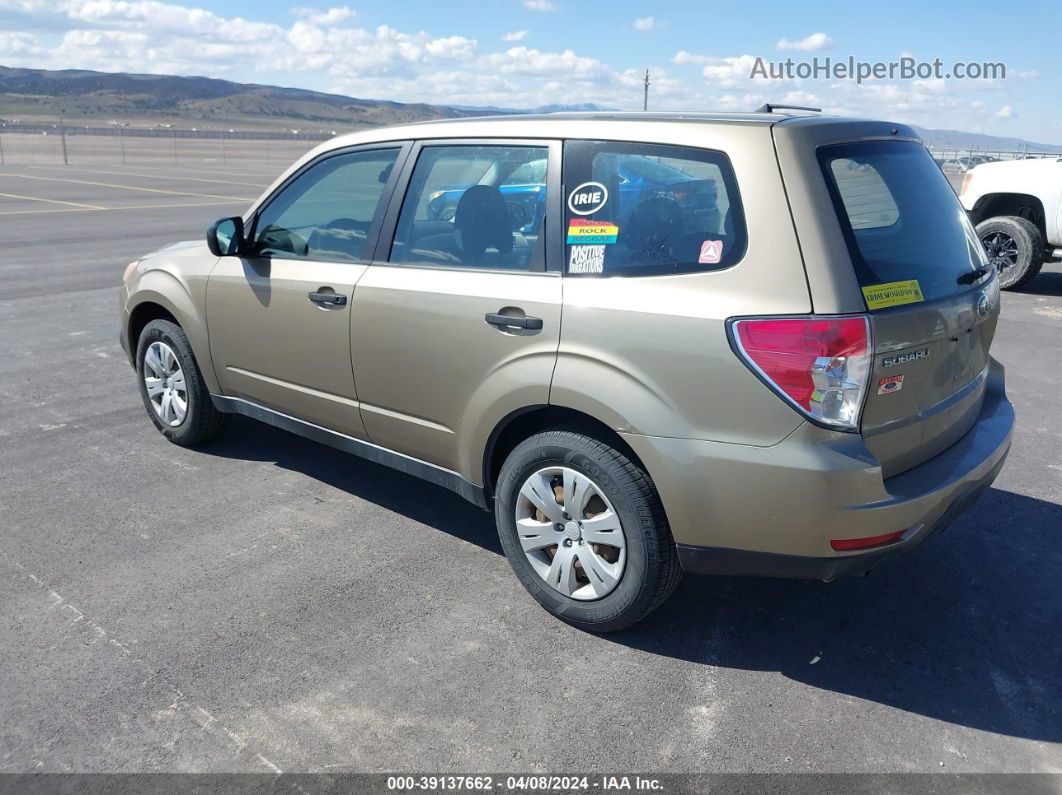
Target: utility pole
645,97
62,136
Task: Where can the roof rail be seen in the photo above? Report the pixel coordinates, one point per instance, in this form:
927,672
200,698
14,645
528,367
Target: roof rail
770,107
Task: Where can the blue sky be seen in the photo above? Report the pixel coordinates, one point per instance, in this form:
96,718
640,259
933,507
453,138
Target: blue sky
524,53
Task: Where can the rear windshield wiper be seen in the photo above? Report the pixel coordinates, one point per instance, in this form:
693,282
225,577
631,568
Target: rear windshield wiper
972,276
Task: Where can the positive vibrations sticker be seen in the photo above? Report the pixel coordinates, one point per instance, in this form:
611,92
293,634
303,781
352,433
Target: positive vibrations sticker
880,296
588,198
582,230
893,383
587,259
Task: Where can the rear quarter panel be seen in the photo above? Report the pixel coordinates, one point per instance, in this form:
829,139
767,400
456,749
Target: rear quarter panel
650,355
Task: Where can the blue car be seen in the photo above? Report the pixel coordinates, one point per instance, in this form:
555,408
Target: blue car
524,191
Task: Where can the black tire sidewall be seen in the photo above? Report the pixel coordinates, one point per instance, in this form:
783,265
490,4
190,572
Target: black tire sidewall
634,594
1030,247
174,337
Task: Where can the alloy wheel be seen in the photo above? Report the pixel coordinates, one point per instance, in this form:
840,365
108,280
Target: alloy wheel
1001,249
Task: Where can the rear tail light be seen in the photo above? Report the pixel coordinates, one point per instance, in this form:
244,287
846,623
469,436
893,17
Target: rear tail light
820,365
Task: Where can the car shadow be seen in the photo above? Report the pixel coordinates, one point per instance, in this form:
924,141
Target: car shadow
964,629
388,488
1045,283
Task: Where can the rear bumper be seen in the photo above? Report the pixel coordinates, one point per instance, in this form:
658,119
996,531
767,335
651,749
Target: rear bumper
745,563
741,510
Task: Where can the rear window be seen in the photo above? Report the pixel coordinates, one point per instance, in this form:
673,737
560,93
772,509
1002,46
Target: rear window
647,209
908,236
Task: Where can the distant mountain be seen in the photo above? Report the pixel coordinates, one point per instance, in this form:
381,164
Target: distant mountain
583,108
82,95
954,139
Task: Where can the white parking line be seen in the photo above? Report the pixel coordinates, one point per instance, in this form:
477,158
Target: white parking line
165,176
128,187
88,208
48,201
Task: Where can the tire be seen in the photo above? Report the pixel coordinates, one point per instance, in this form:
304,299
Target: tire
1019,268
650,566
200,422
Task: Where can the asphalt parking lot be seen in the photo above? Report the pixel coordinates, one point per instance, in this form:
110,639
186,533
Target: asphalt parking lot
267,604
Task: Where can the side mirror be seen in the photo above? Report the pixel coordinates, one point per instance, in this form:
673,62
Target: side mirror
225,237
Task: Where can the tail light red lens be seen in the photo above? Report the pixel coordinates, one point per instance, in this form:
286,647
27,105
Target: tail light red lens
821,365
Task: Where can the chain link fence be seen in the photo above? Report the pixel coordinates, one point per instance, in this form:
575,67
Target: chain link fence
51,144
23,144
960,161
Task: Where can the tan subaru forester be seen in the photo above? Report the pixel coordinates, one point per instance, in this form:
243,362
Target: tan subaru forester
752,344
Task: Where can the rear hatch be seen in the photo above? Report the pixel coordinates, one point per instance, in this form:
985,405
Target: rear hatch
932,304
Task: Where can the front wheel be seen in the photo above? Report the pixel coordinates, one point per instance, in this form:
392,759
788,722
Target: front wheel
172,388
1015,248
584,530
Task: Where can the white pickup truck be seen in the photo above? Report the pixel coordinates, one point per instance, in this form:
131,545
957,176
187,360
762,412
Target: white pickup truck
1017,208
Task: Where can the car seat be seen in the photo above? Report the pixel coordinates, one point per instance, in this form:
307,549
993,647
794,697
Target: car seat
481,222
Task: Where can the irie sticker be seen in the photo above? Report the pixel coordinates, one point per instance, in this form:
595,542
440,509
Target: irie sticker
599,233
880,296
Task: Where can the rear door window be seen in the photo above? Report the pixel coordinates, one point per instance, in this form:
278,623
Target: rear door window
909,238
648,209
475,207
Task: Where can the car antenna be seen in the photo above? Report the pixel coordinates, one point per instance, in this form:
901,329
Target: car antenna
768,107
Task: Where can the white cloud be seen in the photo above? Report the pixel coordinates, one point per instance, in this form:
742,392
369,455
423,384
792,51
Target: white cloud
738,104
644,23
18,45
529,61
332,16
731,71
816,41
450,47
324,47
805,98
688,57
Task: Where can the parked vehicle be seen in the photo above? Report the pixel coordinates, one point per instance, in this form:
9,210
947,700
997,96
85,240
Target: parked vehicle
1017,207
774,355
972,161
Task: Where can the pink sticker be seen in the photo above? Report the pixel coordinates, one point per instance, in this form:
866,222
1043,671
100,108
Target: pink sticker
711,252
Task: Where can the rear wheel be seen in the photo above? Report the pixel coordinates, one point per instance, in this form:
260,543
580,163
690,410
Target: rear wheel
584,530
172,387
1015,248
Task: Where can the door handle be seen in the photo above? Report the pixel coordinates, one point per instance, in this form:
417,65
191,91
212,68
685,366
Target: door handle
511,321
327,299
